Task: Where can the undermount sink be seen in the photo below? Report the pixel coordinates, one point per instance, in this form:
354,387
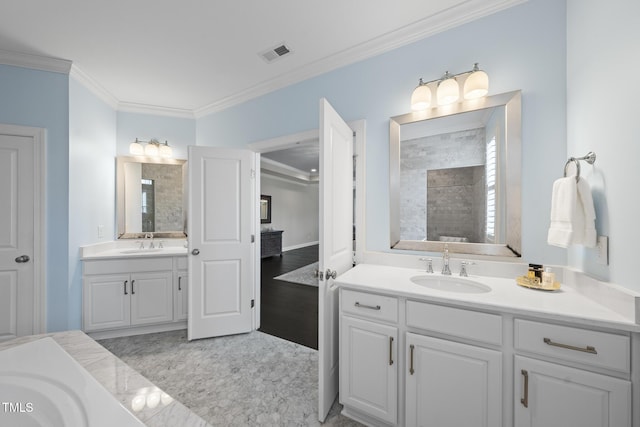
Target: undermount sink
140,251
451,284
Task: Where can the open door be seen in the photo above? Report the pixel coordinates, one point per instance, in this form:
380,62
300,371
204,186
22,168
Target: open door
221,217
336,243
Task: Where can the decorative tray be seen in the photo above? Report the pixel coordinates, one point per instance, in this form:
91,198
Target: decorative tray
535,284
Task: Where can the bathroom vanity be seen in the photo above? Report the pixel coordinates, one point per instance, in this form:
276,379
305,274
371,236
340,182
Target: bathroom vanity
448,351
128,291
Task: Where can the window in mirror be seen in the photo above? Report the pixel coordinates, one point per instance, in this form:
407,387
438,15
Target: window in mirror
455,178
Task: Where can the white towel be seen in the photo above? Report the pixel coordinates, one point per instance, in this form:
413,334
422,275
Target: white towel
572,214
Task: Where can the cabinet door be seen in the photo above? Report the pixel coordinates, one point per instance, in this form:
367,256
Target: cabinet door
550,395
181,300
151,298
106,301
451,385
368,368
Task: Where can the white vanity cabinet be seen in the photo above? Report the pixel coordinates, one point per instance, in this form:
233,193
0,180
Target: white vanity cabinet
128,293
564,391
369,355
181,289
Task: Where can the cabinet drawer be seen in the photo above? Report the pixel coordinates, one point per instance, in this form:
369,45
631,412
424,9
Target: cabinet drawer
369,305
594,348
474,325
133,265
181,262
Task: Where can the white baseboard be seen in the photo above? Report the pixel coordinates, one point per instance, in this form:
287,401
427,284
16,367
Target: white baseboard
302,245
138,330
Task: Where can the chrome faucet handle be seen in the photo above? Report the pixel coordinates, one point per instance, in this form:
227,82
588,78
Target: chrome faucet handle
141,245
429,264
160,244
463,267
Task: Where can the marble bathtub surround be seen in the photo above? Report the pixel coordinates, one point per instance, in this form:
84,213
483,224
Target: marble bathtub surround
120,380
239,380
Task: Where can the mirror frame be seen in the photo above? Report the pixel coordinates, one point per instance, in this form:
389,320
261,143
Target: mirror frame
121,199
267,200
513,164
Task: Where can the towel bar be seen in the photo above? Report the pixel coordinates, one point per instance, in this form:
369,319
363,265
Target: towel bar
590,158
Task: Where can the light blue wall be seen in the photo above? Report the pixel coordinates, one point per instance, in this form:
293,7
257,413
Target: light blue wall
179,132
92,151
602,109
523,47
41,99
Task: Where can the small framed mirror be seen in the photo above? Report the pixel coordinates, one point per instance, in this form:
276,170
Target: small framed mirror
151,197
265,209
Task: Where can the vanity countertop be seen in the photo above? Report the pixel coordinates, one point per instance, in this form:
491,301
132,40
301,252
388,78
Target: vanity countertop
565,304
130,249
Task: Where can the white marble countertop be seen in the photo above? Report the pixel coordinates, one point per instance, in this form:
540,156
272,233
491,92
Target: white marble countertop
131,249
119,379
565,304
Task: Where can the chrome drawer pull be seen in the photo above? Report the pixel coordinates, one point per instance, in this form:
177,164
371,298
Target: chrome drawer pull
411,370
390,351
525,400
587,349
370,307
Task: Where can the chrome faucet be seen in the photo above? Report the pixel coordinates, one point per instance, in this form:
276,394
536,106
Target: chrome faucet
429,264
463,268
445,261
149,236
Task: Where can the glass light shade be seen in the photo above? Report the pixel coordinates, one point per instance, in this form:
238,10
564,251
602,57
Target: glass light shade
448,91
151,150
476,85
136,148
421,97
165,150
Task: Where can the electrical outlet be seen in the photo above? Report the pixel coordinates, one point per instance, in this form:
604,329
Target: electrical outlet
603,250
100,231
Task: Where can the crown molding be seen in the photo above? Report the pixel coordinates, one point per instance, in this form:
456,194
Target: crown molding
442,21
94,87
156,110
36,62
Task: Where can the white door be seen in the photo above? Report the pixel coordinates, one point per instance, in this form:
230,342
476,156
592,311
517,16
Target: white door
221,219
449,384
336,243
551,395
20,232
369,369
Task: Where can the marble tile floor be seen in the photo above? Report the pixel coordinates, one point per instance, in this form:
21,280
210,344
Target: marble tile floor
239,380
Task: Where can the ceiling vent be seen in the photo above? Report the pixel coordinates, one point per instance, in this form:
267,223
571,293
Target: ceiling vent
274,53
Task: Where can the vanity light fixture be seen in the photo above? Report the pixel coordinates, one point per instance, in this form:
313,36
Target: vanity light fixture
154,148
447,88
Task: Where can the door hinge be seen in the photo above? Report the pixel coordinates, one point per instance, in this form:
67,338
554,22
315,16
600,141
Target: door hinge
253,173
253,238
253,303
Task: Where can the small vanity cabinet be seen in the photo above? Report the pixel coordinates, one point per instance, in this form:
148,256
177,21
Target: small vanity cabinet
270,243
131,294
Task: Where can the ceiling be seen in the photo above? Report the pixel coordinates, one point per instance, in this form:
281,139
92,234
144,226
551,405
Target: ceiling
195,57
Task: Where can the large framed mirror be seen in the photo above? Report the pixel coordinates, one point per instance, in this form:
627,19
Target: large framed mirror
151,197
455,174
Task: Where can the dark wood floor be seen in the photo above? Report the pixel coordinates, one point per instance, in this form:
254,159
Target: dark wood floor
289,310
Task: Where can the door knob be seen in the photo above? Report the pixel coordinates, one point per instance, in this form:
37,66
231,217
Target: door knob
195,252
331,274
22,258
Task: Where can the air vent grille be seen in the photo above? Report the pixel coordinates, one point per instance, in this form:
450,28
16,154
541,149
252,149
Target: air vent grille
274,53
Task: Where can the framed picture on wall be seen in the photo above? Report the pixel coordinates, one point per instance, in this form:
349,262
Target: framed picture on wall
265,209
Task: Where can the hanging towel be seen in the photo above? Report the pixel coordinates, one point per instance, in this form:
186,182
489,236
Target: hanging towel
572,214
587,235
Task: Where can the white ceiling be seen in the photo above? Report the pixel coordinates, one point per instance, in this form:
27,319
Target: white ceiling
194,57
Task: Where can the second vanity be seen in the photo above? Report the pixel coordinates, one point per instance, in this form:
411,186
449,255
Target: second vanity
444,351
128,290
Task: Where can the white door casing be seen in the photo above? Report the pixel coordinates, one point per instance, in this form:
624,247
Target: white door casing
221,252
22,285
336,243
